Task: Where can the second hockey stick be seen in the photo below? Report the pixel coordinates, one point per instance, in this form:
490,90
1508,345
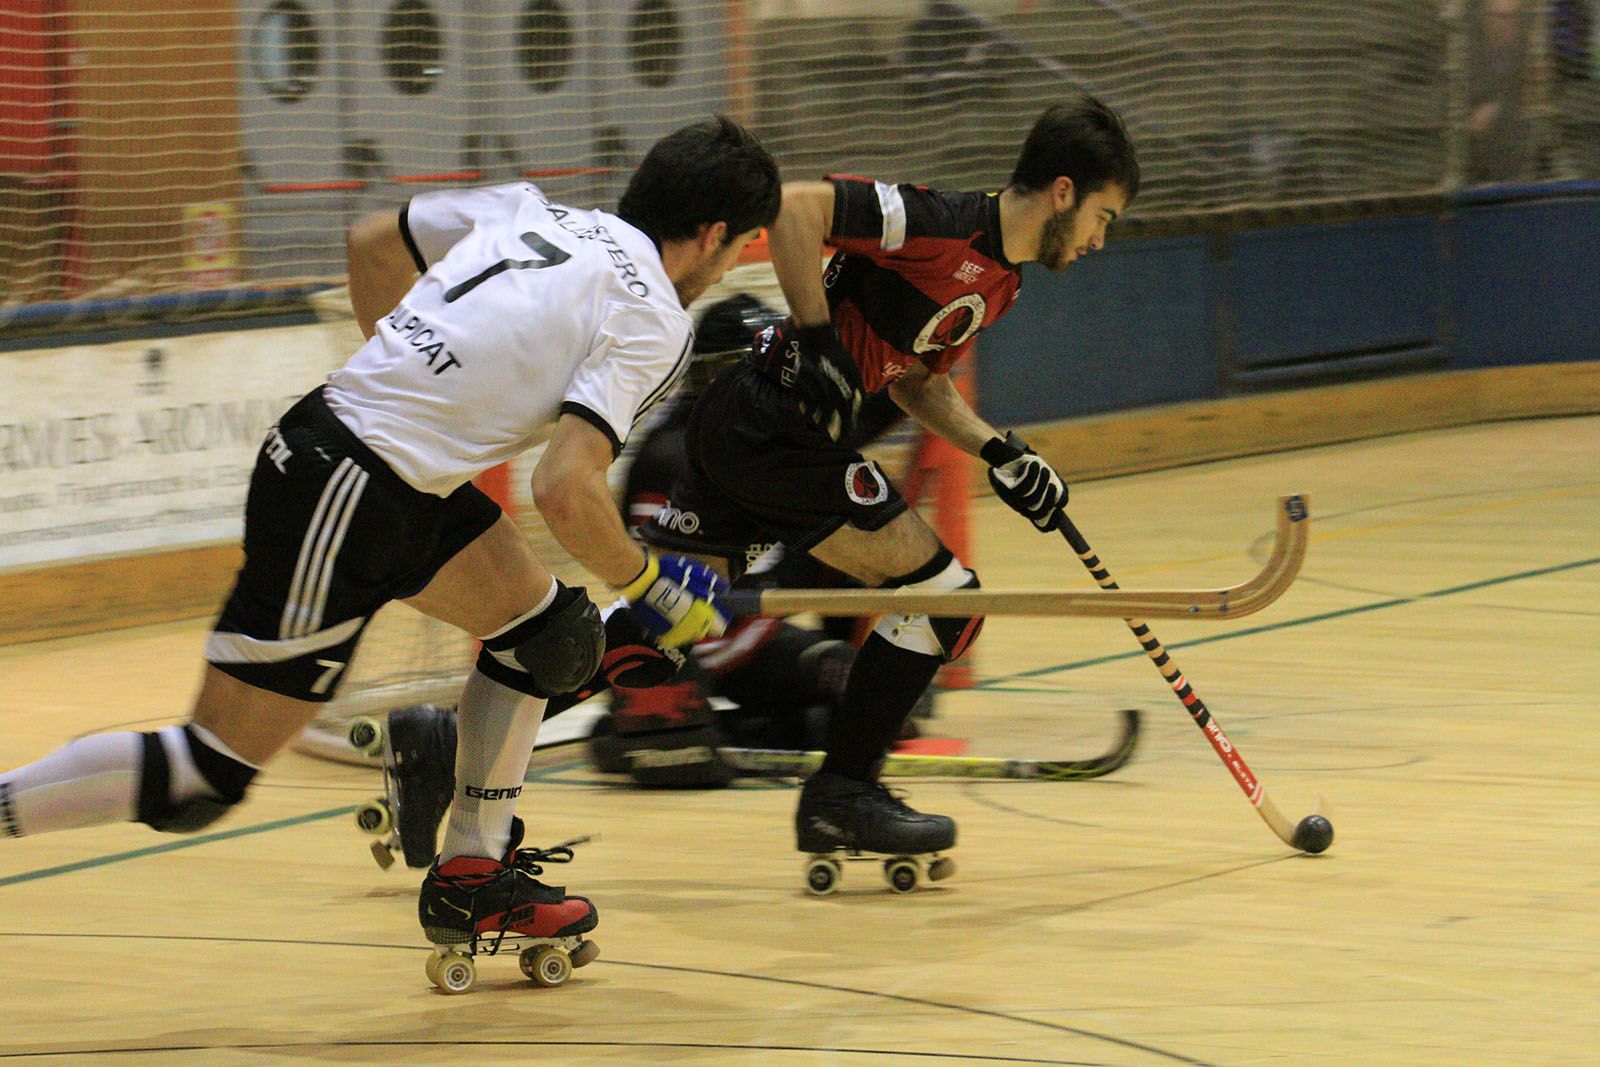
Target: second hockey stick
770,762
1313,833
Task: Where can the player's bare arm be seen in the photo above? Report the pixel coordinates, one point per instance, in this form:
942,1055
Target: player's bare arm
380,266
570,490
935,402
796,241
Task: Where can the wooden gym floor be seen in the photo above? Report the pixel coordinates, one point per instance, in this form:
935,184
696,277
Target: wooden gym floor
1430,677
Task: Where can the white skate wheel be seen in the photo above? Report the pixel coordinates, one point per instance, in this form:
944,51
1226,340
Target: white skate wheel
365,734
822,875
431,968
547,965
374,816
901,873
455,973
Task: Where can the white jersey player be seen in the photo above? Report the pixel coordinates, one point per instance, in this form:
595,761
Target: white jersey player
529,319
525,309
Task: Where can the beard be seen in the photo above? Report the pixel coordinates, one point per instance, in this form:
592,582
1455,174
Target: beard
1053,241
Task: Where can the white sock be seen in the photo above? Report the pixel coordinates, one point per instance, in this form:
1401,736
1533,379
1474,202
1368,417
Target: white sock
496,728
95,780
87,782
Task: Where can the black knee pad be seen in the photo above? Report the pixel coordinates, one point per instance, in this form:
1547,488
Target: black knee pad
951,636
556,651
225,775
956,635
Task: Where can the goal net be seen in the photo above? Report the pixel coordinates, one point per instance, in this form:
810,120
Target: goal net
200,159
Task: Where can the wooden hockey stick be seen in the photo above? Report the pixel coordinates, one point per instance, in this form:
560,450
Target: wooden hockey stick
789,763
1313,833
1288,552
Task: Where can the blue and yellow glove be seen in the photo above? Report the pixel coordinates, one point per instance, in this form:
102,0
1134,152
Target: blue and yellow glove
678,601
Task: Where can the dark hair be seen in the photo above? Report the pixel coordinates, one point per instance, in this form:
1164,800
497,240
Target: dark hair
1083,140
711,171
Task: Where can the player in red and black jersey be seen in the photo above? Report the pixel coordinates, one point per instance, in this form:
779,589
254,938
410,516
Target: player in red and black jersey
917,275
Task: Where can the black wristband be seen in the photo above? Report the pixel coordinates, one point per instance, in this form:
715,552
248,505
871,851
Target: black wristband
998,451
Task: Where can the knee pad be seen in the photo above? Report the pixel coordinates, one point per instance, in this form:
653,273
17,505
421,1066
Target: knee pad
554,651
226,775
947,638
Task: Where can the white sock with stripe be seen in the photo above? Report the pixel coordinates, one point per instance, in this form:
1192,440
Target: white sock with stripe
496,728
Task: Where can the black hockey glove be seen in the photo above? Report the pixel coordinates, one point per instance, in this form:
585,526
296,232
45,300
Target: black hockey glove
814,364
1025,481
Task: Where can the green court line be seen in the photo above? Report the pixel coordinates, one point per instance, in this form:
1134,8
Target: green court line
1304,620
996,683
172,846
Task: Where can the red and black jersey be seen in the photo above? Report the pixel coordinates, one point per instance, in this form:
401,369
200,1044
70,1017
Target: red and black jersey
917,275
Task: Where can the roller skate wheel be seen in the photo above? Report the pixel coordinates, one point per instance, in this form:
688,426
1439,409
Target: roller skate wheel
901,874
547,965
383,852
365,734
431,968
586,953
941,868
374,816
454,973
822,876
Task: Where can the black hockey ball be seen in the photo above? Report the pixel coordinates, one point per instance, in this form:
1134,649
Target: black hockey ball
1313,835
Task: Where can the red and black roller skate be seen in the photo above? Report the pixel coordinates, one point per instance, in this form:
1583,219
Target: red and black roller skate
471,905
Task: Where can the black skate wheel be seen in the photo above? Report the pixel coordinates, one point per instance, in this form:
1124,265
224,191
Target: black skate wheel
366,735
547,965
454,973
374,816
901,873
822,876
941,868
586,953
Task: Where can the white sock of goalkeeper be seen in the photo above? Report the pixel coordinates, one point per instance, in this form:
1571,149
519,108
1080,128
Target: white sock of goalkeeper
496,728
95,780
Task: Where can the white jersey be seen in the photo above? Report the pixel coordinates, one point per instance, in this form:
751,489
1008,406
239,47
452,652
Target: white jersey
525,309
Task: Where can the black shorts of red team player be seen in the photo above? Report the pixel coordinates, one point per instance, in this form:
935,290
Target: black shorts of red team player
331,534
760,473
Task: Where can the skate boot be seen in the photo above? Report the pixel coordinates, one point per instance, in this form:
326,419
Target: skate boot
418,745
838,815
472,905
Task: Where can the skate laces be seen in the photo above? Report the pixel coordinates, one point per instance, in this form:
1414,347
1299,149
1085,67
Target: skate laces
529,861
895,797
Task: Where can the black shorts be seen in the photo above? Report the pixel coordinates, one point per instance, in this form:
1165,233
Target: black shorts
331,534
760,473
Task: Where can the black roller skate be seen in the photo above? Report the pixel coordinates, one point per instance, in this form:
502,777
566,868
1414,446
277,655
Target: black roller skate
840,818
418,745
471,905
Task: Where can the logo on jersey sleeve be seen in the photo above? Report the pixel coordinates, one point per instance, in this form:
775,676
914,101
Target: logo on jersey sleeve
951,325
864,483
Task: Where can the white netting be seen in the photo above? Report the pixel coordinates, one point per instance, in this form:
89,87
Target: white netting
219,147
